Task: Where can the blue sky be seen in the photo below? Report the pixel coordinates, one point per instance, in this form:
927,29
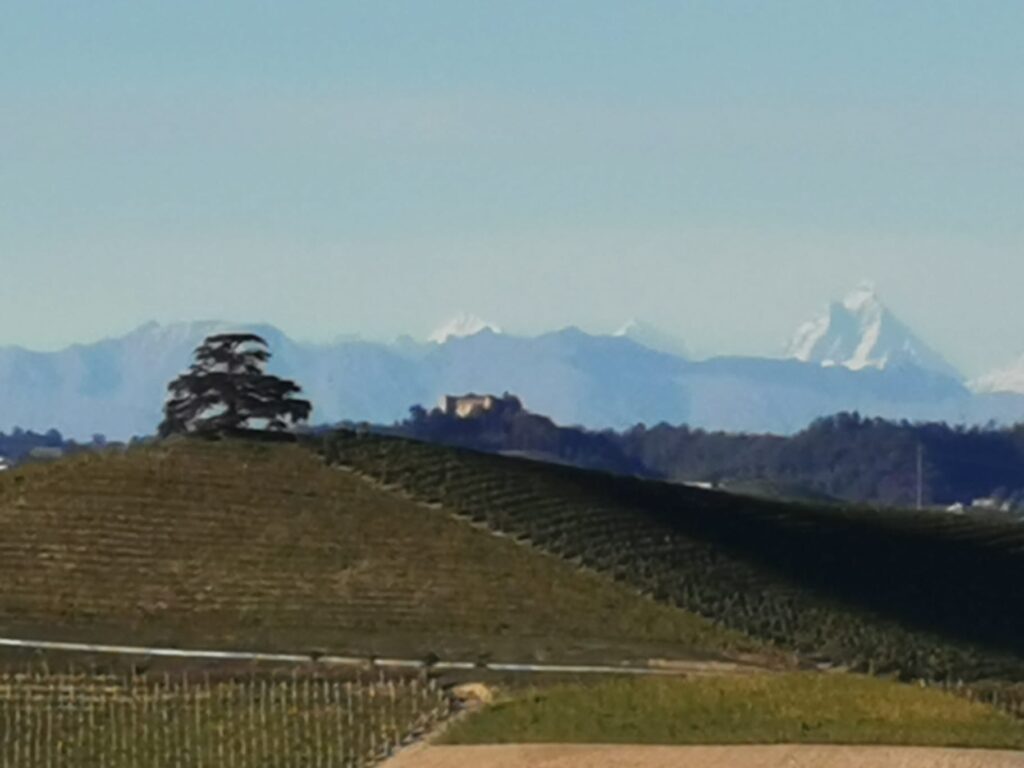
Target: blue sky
720,169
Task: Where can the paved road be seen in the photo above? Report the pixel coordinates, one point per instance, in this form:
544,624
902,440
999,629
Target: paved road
672,668
780,756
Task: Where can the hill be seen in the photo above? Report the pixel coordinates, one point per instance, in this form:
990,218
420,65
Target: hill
915,594
263,547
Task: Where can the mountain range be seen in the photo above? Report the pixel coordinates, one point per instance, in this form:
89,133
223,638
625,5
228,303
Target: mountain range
856,356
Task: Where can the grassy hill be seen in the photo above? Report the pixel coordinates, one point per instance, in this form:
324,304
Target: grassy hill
918,594
264,547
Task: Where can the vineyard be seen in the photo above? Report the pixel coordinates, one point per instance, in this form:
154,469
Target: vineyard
921,595
238,545
81,720
263,547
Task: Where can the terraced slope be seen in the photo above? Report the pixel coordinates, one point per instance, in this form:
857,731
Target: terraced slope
266,548
919,594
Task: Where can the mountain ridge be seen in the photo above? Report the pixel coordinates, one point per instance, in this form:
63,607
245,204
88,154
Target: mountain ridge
116,386
461,325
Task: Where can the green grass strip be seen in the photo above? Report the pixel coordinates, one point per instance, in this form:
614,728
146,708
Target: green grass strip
759,709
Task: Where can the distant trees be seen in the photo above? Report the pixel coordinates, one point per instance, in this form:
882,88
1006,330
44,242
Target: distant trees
20,444
507,426
846,456
226,389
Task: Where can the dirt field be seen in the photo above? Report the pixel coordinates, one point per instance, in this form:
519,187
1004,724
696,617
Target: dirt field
782,756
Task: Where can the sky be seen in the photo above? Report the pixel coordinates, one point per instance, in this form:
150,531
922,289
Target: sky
720,169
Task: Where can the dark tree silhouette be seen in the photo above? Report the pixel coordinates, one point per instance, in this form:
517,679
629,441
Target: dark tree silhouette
227,390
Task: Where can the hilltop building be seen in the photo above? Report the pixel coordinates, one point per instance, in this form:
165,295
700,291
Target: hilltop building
45,453
472,405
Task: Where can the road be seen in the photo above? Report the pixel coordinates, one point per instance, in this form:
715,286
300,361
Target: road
668,668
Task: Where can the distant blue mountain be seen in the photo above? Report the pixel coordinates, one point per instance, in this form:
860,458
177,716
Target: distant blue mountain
117,386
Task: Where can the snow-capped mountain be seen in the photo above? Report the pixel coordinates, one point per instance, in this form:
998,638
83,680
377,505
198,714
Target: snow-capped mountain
1009,379
859,357
463,324
860,332
652,337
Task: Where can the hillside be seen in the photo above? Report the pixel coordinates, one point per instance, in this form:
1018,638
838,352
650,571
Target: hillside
264,547
235,544
917,594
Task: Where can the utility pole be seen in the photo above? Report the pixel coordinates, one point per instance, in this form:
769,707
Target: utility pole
920,475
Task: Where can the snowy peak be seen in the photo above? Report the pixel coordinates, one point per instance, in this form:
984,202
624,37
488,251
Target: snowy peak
652,337
860,332
848,334
1009,379
863,298
463,324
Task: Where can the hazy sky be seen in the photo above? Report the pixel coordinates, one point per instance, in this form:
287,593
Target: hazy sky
720,169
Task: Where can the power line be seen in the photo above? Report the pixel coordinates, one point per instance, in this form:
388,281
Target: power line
920,475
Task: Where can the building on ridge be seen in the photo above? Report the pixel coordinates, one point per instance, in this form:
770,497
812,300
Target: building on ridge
472,405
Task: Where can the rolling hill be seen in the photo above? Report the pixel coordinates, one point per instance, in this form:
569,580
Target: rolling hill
920,595
258,546
401,549
226,544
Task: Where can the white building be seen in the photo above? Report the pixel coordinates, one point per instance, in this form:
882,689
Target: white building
467,406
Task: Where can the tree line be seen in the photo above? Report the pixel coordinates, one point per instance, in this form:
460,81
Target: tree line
846,457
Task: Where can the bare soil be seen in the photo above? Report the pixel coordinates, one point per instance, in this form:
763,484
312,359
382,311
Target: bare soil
774,756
